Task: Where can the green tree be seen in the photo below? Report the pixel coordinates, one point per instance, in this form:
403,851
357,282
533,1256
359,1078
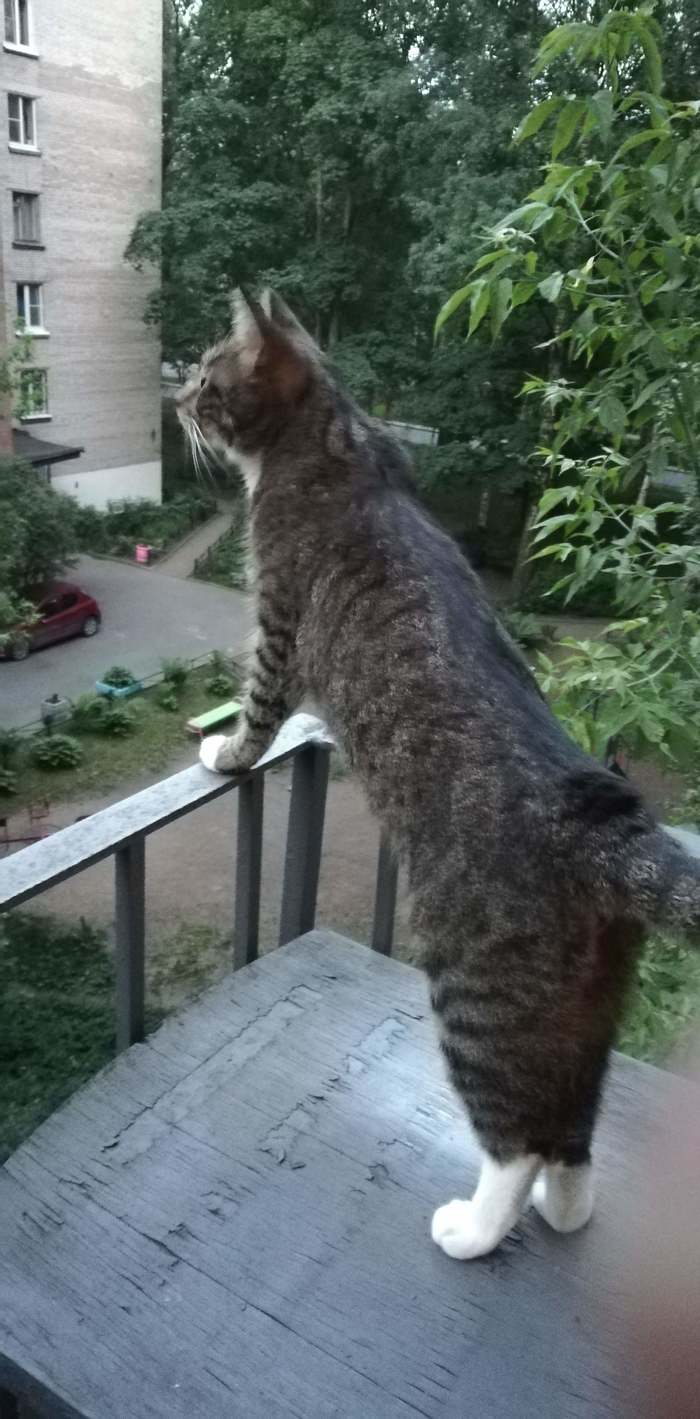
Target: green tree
37,529
609,240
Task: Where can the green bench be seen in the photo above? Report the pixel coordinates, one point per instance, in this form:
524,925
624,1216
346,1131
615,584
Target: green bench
203,724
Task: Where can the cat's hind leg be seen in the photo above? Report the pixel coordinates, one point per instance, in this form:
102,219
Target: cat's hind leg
564,1195
467,1229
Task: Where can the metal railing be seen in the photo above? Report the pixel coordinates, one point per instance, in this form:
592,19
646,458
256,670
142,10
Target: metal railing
120,831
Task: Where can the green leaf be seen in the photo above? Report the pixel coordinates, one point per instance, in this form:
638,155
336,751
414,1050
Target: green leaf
500,304
481,297
453,304
636,140
645,394
551,286
567,124
538,115
522,291
552,497
611,413
601,108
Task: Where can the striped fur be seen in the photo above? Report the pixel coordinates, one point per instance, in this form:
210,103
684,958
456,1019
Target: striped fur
534,872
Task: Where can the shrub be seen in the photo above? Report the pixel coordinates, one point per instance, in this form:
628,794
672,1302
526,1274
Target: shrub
220,664
119,677
175,673
168,700
525,628
117,721
8,781
88,713
56,751
9,747
219,685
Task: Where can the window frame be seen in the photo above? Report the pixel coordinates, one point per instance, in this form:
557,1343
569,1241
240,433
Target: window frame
26,303
20,195
21,144
44,413
18,45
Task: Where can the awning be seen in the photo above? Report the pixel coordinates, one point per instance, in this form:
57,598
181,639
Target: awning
39,452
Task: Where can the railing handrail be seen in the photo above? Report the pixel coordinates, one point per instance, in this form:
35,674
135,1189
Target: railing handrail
71,850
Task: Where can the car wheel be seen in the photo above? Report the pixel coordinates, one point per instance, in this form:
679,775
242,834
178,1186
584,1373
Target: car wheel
19,649
91,626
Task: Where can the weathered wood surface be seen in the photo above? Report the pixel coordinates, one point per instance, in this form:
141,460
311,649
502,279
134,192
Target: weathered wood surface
232,1220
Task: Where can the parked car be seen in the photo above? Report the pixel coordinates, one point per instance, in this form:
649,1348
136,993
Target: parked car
64,610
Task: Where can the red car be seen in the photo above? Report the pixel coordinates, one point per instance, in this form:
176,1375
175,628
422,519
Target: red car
65,610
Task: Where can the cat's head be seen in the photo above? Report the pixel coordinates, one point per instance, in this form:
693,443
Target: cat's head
250,384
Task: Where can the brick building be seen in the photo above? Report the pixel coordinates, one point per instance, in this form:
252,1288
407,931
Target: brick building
82,112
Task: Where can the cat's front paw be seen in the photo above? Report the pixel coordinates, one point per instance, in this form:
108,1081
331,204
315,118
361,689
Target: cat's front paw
209,750
226,756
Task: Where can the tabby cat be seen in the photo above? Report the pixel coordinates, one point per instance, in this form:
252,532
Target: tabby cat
534,872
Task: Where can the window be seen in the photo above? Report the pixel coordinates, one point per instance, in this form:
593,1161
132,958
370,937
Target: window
25,217
22,124
30,307
34,395
17,23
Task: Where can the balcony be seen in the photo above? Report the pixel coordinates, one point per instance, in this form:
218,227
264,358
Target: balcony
232,1218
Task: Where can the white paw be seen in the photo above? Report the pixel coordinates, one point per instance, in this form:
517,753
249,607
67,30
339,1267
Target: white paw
564,1197
209,750
454,1228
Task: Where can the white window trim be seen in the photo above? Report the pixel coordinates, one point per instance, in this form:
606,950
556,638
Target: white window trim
12,144
14,46
28,329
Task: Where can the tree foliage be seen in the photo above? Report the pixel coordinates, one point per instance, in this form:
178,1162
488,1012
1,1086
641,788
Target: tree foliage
609,239
37,529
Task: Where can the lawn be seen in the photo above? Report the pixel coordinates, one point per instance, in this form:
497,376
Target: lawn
57,1005
108,761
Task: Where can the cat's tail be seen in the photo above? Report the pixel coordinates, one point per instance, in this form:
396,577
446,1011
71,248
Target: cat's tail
664,882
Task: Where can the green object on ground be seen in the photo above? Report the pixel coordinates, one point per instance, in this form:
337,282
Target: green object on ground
202,723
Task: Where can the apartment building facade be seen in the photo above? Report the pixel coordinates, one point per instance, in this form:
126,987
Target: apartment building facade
81,93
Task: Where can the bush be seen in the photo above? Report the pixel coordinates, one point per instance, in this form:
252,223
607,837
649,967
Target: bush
525,628
168,700
219,685
9,747
117,721
119,677
175,673
227,561
8,781
56,751
88,714
121,527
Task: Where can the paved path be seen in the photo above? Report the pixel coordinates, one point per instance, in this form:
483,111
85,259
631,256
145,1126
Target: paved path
181,561
146,615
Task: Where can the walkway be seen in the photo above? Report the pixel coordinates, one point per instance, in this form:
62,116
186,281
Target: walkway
181,562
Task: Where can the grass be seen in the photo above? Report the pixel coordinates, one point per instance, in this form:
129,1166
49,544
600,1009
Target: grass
108,762
57,1005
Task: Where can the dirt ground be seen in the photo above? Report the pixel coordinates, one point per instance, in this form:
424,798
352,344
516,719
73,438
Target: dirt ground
190,877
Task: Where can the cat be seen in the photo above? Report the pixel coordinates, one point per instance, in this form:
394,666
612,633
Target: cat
535,873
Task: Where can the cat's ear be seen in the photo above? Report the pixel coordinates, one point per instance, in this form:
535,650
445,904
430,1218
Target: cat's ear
266,350
249,322
281,315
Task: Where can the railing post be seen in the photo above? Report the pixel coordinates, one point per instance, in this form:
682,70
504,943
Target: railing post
248,864
304,840
385,898
130,937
